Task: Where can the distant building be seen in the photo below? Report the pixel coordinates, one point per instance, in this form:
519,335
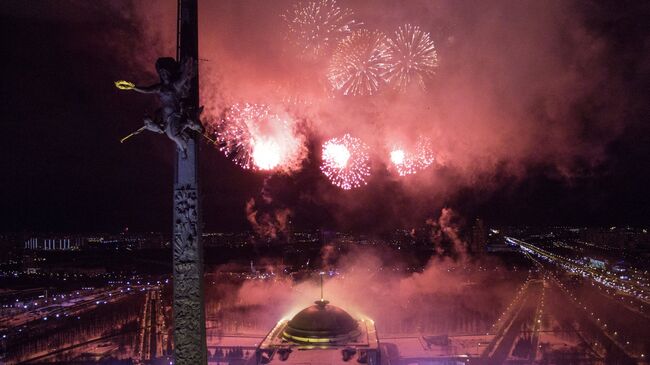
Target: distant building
501,245
321,333
617,238
620,266
479,237
231,240
305,237
133,241
127,241
326,334
52,243
597,263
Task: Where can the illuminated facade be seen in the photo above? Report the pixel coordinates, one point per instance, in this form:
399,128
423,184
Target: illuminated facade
52,243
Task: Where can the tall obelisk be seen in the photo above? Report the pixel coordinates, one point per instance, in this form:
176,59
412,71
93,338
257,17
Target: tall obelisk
189,313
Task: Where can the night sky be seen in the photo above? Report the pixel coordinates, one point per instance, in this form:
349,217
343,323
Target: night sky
64,170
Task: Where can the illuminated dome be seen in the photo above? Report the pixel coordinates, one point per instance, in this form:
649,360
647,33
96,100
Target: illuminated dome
321,323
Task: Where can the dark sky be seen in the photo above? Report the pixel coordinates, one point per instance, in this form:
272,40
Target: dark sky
64,170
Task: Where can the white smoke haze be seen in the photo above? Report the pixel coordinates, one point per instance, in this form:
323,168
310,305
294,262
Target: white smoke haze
509,77
504,91
518,85
447,226
444,296
447,295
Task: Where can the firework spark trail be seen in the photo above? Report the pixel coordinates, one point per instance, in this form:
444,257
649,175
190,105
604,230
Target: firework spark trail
346,162
255,138
359,63
232,134
410,162
315,26
412,57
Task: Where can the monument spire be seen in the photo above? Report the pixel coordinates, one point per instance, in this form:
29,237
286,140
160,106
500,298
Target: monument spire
189,312
179,119
322,302
321,285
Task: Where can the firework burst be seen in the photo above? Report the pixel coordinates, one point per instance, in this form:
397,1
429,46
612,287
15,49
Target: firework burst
359,63
255,138
412,57
315,26
346,162
410,162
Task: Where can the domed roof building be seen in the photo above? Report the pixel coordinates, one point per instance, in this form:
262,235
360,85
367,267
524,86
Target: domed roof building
321,323
318,331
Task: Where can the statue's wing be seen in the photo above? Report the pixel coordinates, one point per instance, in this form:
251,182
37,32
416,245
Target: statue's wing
188,68
188,71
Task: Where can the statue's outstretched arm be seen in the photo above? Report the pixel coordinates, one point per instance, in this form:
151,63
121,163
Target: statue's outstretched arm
147,89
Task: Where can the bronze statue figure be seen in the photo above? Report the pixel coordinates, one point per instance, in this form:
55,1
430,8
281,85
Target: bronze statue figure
174,117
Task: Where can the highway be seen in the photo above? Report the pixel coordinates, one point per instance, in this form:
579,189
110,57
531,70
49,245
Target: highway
636,284
520,318
61,306
615,332
152,339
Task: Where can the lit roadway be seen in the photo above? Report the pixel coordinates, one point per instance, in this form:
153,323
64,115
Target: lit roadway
605,335
520,315
61,306
152,337
637,286
152,334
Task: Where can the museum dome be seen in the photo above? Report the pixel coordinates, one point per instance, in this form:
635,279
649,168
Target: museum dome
321,323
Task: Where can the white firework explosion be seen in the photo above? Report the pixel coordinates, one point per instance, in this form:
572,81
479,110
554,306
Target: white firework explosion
412,57
314,27
359,63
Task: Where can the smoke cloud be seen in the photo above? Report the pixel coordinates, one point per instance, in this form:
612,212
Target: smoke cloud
511,86
267,219
519,85
447,227
443,297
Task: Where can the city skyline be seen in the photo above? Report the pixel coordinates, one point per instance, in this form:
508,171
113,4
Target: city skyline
251,182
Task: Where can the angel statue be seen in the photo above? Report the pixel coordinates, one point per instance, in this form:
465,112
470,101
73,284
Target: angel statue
174,116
